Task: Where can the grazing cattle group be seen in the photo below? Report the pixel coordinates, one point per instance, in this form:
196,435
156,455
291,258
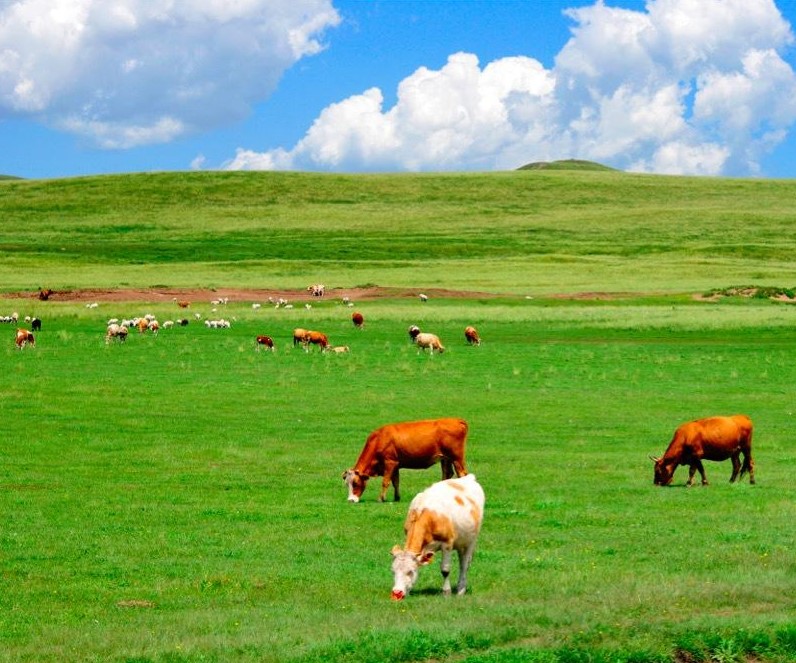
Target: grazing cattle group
447,516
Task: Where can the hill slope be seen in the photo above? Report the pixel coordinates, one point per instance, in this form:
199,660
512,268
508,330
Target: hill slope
528,232
567,164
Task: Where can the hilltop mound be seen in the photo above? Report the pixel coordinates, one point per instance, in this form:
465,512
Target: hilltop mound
566,164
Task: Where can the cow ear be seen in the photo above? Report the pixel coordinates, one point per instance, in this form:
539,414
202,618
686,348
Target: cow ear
396,550
425,558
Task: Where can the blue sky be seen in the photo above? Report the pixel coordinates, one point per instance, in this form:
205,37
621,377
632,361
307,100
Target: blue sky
704,87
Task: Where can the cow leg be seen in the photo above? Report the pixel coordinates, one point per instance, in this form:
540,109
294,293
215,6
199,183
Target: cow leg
691,472
748,466
445,567
461,470
702,472
389,469
395,481
447,468
464,564
736,466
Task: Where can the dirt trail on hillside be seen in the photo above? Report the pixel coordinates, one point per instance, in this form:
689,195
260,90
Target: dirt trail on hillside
246,294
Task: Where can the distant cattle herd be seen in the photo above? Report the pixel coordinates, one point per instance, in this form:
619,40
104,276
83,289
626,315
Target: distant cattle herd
448,515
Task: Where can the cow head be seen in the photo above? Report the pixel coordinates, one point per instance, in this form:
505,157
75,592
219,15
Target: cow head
405,566
664,472
356,482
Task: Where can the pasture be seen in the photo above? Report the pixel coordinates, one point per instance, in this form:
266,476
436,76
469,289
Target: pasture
179,498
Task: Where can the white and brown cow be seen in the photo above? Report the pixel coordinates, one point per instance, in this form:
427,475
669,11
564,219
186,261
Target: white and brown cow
117,331
24,337
424,341
446,516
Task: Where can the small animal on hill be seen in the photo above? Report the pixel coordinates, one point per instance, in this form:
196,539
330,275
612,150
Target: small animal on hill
430,342
24,337
316,338
712,438
447,516
263,341
358,320
471,335
116,331
300,336
414,445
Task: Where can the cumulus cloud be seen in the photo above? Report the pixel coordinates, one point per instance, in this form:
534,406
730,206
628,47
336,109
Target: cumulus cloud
133,72
685,86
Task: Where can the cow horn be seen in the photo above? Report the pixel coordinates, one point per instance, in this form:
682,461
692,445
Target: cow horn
653,459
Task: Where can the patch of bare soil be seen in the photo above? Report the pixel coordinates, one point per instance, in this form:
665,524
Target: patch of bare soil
245,294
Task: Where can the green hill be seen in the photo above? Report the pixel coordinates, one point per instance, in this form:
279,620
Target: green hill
566,164
524,232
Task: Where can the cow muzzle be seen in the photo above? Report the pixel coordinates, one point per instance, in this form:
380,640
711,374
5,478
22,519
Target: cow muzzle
353,499
397,595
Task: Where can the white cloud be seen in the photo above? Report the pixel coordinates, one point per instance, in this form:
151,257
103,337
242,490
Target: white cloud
135,72
686,86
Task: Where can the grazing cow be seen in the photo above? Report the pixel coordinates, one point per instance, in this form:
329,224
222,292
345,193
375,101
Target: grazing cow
35,325
413,445
446,516
316,338
45,294
431,341
316,290
183,304
358,320
119,332
24,337
266,342
713,438
143,325
414,330
471,336
300,336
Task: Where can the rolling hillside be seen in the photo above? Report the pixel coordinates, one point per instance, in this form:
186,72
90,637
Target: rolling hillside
530,232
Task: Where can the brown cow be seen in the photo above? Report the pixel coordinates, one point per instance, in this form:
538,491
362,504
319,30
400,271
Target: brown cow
713,438
358,320
23,338
265,341
471,336
316,338
414,445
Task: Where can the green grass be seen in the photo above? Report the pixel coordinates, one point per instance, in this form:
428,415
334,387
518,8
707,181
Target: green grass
522,232
179,498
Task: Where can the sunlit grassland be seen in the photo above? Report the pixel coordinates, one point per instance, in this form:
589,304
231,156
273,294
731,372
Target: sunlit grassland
179,498
529,232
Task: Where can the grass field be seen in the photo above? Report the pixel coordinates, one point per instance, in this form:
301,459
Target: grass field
178,498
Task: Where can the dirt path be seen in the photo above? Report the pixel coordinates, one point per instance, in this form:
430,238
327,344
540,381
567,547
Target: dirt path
243,294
